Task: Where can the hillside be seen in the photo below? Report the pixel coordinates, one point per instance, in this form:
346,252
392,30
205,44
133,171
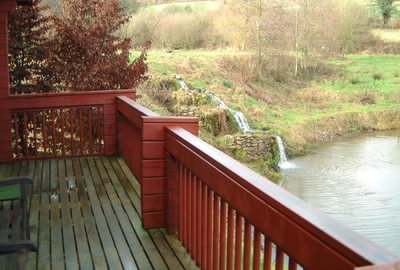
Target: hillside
361,87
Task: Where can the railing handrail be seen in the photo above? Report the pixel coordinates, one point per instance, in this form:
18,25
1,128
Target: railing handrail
143,111
341,240
71,93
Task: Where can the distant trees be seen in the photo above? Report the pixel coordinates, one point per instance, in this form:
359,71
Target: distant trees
79,49
386,8
28,32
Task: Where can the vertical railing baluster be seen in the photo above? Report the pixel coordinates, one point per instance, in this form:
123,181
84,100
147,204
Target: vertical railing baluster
17,137
185,207
181,201
238,241
210,229
279,260
101,123
90,130
54,139
267,254
81,127
44,132
223,237
62,116
72,130
216,234
35,139
257,250
25,134
194,221
247,245
199,221
189,212
231,236
292,264
204,222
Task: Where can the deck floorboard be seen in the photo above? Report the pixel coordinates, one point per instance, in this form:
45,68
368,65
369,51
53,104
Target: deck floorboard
85,214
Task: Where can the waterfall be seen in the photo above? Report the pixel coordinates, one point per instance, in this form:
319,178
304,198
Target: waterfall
239,117
182,83
284,163
241,121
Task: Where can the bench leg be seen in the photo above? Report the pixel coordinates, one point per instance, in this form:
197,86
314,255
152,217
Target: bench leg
22,260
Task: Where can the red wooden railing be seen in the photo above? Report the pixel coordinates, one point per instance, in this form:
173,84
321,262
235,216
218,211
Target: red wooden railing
229,217
141,141
67,131
38,126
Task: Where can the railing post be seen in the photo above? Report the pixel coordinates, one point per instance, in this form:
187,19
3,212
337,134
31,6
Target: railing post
172,194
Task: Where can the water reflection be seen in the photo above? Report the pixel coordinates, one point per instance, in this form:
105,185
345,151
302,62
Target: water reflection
357,181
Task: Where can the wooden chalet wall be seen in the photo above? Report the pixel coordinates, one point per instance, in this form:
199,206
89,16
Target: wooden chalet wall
141,142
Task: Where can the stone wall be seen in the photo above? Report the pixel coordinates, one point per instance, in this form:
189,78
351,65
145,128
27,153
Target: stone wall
253,146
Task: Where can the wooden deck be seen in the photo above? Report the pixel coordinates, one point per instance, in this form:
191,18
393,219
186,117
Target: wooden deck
85,214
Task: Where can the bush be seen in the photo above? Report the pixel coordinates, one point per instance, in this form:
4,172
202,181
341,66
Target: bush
228,84
354,81
172,28
377,76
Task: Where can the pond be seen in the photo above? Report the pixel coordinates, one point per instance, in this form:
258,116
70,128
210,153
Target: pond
356,180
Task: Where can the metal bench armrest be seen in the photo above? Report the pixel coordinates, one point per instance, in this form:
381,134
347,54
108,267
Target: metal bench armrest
18,246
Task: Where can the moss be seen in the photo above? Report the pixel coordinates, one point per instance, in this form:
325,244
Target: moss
214,121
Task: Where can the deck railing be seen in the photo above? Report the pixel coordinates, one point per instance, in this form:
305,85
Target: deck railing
226,215
229,217
39,126
141,142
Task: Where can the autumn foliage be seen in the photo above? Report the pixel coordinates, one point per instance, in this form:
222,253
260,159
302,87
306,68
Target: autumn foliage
83,50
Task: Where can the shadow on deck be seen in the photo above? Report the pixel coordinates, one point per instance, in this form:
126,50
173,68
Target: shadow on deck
85,214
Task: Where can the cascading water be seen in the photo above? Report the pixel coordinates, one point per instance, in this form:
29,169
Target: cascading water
239,117
242,122
284,163
182,83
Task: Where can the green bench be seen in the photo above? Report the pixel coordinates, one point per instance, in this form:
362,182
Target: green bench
15,197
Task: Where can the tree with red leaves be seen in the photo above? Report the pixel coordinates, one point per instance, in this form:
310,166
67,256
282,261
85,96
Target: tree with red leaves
28,32
85,51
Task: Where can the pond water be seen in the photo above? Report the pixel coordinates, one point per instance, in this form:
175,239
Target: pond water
356,180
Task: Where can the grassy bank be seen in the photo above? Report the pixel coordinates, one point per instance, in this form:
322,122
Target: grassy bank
360,84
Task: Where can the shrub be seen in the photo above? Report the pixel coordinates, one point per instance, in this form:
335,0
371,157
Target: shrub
85,54
228,84
354,81
173,30
377,76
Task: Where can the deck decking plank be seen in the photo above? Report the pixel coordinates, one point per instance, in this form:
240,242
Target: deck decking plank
83,252
122,189
44,258
96,250
172,252
125,226
101,222
95,225
57,250
34,212
71,258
